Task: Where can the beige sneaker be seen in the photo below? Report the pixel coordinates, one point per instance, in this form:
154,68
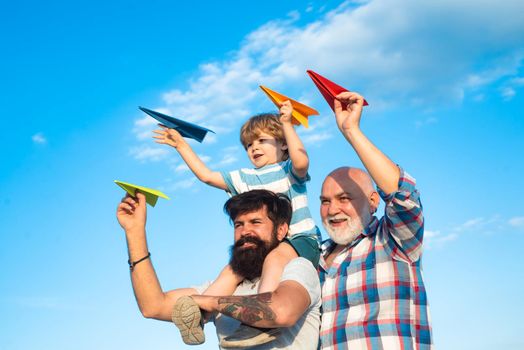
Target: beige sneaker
188,318
246,336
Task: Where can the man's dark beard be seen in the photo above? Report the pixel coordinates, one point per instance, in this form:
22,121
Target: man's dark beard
248,261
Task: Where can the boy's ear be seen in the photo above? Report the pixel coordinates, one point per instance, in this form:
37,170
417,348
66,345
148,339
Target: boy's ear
284,146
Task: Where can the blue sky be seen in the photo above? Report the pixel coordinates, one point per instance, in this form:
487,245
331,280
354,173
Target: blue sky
445,83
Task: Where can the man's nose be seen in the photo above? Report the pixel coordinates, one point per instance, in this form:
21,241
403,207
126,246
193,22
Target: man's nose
246,231
333,208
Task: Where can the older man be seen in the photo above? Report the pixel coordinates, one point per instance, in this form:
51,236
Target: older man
261,219
373,296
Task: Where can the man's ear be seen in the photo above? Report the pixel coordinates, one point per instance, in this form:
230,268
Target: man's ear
374,201
282,231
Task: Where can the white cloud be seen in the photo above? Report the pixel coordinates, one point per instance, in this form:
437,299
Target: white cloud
519,81
479,226
470,224
517,221
206,159
508,93
182,184
144,127
210,139
404,52
181,168
428,121
227,159
312,140
510,89
146,153
232,149
419,53
39,138
437,239
229,156
479,98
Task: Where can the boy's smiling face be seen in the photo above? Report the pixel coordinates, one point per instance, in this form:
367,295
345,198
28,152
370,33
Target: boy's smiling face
265,150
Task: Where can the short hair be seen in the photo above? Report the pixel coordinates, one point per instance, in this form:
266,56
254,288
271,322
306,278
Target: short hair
278,205
264,122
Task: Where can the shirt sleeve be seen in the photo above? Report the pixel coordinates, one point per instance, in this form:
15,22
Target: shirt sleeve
288,167
228,179
302,271
403,220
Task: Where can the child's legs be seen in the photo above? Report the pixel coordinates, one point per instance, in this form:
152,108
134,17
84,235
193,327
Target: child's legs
274,265
225,284
305,246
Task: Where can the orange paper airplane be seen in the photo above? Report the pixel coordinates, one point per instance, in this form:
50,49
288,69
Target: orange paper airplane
328,89
300,111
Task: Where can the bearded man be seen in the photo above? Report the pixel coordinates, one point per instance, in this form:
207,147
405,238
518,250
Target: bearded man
261,220
373,295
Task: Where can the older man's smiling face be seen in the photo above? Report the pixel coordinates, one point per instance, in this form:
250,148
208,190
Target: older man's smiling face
345,205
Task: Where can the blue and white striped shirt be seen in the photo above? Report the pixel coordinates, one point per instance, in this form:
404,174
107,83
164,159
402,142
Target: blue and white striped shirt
278,178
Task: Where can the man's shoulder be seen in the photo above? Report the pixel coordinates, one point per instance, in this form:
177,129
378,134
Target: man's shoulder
300,263
302,271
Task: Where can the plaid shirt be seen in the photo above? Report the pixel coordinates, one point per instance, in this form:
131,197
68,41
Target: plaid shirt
373,296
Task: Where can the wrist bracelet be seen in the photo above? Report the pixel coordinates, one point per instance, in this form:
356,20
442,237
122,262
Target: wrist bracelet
132,264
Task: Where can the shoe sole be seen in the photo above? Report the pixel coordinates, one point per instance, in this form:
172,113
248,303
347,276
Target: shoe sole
187,316
266,337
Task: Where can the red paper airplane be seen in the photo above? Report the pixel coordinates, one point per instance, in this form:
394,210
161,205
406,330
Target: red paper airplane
328,89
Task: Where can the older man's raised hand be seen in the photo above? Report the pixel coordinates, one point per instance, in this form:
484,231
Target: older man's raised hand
348,118
383,171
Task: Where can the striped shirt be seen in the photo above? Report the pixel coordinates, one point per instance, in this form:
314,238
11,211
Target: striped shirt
373,296
278,178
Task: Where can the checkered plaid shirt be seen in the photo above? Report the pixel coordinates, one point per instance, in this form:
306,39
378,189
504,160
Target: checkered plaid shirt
373,296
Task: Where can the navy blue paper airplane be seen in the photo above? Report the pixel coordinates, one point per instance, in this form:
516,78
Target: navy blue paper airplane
185,129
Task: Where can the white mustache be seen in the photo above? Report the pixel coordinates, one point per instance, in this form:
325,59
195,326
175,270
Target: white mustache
338,217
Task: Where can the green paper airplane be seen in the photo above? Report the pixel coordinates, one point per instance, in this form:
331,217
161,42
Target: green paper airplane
151,194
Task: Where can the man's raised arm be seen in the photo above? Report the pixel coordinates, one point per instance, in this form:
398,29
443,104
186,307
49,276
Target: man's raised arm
152,301
384,172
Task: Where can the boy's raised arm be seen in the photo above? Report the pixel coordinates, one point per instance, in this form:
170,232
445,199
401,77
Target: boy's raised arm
173,138
296,149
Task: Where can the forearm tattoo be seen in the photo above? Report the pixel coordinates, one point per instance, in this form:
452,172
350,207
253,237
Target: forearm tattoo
249,309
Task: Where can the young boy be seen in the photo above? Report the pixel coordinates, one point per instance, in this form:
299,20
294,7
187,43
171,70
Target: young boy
281,165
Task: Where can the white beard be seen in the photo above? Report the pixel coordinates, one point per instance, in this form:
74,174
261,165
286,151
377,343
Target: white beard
346,234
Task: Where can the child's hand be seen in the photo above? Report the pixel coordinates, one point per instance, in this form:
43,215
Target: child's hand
168,136
285,112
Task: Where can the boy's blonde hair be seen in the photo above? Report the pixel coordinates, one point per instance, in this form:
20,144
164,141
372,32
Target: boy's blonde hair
268,123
